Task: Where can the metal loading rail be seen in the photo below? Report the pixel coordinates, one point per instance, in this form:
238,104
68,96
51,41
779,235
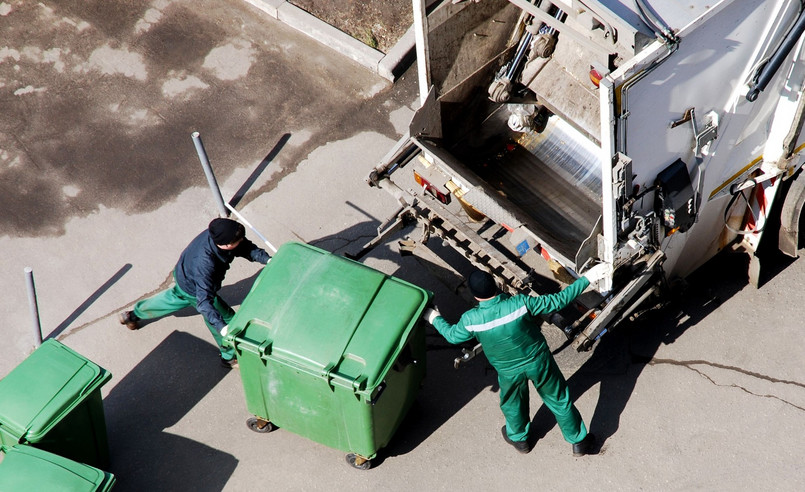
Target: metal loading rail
460,237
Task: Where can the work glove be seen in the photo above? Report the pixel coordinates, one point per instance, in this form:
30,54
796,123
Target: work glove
597,272
430,315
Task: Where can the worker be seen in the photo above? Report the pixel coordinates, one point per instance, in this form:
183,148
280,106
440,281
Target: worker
508,330
197,279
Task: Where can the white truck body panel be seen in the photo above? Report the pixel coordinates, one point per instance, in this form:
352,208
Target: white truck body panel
709,71
671,111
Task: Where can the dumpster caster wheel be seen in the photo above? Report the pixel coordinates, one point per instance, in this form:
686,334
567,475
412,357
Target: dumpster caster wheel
260,425
359,462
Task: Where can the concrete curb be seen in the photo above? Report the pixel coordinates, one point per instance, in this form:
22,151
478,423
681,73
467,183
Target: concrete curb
389,65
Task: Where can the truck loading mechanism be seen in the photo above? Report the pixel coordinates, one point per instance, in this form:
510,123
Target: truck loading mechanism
645,135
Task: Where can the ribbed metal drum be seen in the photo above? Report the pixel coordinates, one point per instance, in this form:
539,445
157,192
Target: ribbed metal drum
553,176
569,153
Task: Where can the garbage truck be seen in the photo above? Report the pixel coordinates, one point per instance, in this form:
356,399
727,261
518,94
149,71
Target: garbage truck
645,135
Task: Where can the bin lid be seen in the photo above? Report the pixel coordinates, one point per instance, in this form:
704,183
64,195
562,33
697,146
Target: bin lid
44,388
328,315
29,468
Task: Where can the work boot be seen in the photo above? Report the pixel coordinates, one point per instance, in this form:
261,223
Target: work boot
129,319
585,446
229,363
520,446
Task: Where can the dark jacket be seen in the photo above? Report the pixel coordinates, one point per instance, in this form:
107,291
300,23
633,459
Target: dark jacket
202,267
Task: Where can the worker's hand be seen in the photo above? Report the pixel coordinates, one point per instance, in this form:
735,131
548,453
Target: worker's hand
431,314
597,272
224,330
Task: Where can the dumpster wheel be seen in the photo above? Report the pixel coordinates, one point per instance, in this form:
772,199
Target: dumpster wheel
358,461
259,425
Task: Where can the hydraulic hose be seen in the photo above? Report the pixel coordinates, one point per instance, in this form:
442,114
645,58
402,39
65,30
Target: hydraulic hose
656,24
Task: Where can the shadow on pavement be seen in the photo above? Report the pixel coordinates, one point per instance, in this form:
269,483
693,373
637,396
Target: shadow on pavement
91,299
155,395
616,362
620,356
246,186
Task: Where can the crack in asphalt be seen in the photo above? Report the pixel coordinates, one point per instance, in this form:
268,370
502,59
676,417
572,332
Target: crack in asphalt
690,363
347,241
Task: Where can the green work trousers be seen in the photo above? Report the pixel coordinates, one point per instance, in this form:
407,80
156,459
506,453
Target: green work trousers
173,299
552,388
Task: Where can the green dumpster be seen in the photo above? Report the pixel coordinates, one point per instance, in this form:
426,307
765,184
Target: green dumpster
330,349
28,468
52,401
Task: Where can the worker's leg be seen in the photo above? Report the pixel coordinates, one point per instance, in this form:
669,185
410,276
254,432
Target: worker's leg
166,302
552,388
227,313
514,405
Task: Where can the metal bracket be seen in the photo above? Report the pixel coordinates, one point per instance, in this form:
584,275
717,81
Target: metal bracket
403,217
701,138
707,135
467,354
615,307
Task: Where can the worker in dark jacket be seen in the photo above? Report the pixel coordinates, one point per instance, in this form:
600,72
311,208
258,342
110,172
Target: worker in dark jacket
198,277
509,333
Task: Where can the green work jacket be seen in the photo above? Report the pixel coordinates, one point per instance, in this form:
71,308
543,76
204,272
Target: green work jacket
507,326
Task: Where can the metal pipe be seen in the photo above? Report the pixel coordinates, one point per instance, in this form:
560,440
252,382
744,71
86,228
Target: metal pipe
519,56
770,68
422,50
205,163
655,23
586,42
29,280
250,226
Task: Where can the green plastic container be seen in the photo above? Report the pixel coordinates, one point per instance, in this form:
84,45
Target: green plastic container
330,349
31,469
52,401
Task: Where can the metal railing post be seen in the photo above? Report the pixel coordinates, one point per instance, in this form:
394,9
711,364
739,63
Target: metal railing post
205,163
29,280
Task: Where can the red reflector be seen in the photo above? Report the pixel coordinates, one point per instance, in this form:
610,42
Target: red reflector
595,77
429,188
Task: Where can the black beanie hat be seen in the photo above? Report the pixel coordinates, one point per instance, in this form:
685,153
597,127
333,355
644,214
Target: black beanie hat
226,231
482,285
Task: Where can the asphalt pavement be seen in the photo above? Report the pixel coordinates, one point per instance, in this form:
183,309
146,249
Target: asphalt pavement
102,189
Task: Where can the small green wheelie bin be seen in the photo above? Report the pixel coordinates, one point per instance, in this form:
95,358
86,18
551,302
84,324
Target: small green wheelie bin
330,349
28,468
52,401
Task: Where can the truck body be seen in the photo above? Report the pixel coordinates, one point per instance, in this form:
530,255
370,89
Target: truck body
644,135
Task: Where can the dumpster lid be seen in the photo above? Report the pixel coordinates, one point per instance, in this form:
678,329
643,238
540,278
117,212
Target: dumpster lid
43,388
329,315
29,468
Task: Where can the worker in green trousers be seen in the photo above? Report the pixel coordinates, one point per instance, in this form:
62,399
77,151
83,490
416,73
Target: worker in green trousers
507,328
198,277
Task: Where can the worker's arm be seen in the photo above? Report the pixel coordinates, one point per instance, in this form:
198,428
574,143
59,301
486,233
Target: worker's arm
250,251
205,295
452,333
207,309
556,302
